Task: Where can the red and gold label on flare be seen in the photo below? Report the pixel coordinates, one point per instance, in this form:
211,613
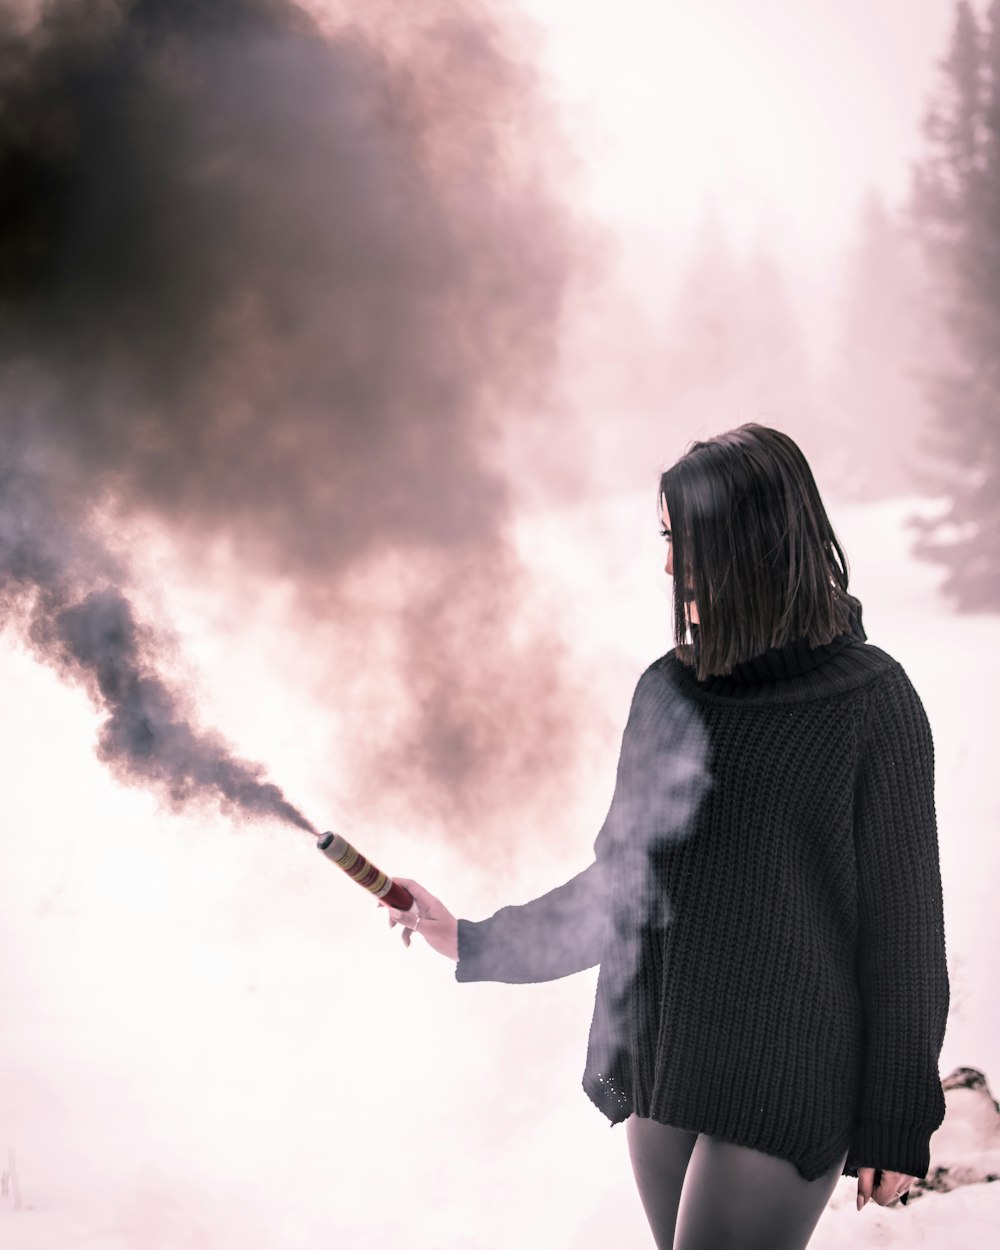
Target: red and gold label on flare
357,867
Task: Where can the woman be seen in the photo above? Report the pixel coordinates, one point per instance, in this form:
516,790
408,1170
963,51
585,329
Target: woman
765,897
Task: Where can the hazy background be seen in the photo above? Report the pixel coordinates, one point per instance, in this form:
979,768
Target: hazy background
344,369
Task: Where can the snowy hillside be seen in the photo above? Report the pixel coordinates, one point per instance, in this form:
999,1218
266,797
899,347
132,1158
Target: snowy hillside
211,1040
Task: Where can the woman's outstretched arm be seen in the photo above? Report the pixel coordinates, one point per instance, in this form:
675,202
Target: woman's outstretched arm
560,933
659,783
552,936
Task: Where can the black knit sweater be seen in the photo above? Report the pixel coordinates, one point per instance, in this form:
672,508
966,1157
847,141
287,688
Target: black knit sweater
765,906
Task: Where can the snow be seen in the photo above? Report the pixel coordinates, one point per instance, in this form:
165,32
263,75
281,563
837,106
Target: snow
211,1041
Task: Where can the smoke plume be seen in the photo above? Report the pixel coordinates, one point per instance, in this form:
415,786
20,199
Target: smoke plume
282,282
90,632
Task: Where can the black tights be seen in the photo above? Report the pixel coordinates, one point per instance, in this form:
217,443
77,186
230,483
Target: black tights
700,1193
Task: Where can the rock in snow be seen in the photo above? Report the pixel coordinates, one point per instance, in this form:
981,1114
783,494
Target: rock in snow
966,1148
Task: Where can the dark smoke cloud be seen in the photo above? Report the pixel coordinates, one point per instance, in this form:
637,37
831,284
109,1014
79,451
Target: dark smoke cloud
283,284
146,729
149,733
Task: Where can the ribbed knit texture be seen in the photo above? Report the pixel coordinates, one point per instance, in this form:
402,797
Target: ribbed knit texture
765,906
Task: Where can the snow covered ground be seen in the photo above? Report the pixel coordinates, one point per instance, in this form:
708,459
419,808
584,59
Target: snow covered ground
210,1040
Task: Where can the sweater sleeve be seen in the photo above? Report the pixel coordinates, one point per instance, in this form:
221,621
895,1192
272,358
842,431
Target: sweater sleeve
902,969
657,789
561,932
553,936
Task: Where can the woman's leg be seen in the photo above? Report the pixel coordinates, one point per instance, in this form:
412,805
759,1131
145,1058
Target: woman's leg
659,1157
735,1198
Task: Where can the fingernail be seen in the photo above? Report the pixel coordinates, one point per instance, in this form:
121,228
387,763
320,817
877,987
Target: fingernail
861,1201
903,1198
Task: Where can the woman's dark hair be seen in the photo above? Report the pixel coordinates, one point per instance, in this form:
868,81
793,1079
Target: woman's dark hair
752,541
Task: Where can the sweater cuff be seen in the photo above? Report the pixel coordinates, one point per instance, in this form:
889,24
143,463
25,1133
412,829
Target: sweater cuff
891,1147
471,945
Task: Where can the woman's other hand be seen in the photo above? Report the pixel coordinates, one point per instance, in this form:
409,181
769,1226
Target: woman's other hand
429,917
885,1191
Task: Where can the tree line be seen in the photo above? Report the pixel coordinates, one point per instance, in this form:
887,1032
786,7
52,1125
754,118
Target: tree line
909,402
955,209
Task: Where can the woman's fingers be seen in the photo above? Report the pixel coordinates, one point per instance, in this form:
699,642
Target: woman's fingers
423,900
428,916
409,917
866,1185
406,919
891,1186
884,1187
425,905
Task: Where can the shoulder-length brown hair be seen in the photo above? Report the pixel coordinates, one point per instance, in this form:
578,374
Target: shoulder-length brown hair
752,541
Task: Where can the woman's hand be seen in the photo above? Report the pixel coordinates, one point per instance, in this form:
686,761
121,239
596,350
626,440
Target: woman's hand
889,1187
429,917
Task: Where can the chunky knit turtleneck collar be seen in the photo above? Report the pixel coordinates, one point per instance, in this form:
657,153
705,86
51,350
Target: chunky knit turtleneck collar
792,671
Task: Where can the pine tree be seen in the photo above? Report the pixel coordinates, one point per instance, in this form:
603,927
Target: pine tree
956,204
878,401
